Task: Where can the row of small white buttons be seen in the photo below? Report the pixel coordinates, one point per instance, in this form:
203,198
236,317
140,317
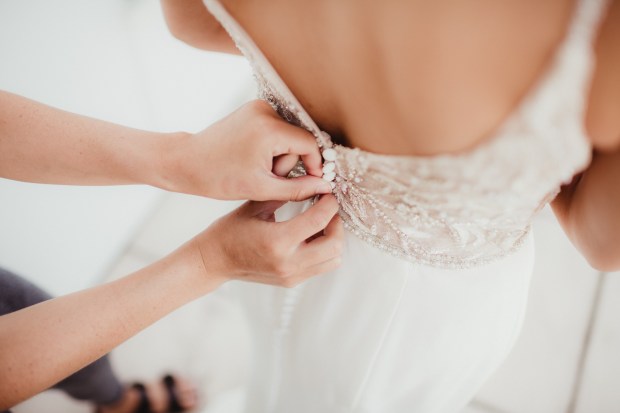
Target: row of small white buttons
329,173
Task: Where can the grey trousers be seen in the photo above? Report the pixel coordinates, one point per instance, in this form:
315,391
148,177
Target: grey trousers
95,382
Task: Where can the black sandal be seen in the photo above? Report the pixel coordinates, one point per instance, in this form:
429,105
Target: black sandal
173,402
144,404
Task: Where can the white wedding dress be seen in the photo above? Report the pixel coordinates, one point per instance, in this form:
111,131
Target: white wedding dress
438,256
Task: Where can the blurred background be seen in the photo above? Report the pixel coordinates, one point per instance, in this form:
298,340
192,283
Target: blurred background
115,60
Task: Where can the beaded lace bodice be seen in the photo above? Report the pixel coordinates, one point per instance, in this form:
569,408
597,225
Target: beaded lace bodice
465,209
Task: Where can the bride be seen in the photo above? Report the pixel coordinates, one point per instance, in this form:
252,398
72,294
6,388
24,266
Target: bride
444,128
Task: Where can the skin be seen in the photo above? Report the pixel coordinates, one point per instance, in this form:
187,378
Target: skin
158,397
42,144
44,343
440,87
243,245
429,57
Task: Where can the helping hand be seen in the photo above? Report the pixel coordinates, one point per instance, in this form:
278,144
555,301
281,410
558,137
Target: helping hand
249,245
245,156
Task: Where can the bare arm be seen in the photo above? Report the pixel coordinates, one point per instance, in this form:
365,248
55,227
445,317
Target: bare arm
44,343
589,208
589,211
191,22
42,144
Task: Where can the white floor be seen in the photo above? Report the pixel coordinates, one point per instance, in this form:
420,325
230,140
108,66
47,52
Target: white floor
566,360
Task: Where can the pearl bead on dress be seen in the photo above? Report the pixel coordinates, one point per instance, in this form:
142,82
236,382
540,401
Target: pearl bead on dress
329,176
329,173
329,167
329,154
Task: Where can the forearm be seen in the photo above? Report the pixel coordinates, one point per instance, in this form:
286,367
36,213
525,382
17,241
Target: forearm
42,144
44,343
589,211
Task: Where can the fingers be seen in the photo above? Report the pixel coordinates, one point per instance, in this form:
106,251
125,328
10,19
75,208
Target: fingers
316,257
313,220
283,164
248,245
334,229
294,279
294,189
317,269
264,210
327,246
295,140
322,268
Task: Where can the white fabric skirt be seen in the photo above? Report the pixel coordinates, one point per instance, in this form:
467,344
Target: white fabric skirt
382,334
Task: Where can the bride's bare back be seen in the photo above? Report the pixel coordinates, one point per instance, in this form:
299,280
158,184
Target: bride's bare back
427,78
412,78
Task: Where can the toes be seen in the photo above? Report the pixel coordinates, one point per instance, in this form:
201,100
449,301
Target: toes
185,392
158,397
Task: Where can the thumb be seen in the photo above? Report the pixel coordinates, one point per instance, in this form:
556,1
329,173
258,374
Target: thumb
264,210
295,189
283,164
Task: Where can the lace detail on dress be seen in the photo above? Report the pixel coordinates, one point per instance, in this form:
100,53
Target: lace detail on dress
466,209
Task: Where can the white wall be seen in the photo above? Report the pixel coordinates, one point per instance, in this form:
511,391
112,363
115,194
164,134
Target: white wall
114,60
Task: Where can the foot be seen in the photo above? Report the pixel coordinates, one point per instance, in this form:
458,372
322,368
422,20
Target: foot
158,397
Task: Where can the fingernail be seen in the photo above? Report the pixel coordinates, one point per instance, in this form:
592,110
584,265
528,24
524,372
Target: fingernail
325,188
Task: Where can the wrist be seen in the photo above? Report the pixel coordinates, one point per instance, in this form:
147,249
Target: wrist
165,169
192,276
209,261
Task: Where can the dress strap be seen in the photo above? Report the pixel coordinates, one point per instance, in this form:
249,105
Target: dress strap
261,64
587,19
